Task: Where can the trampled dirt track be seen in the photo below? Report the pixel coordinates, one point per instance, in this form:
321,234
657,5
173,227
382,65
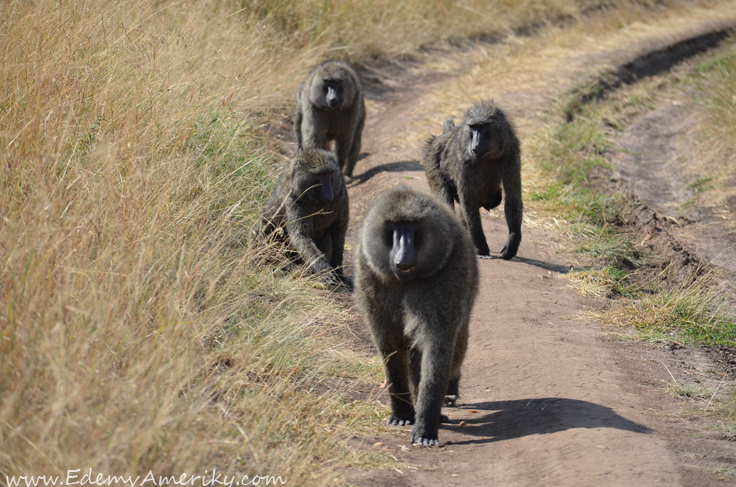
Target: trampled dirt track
547,397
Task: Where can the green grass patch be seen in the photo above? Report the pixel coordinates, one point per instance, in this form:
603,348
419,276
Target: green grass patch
613,247
575,149
693,313
570,156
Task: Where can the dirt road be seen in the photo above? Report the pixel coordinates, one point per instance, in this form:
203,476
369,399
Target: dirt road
547,398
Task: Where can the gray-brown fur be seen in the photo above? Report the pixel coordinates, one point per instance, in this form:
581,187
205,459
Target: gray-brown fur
309,209
330,107
476,180
416,278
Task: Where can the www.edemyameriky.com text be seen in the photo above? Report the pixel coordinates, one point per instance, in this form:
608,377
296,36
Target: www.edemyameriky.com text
75,477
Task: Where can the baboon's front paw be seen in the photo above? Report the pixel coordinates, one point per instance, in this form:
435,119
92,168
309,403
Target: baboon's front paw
425,441
396,420
511,247
424,437
328,279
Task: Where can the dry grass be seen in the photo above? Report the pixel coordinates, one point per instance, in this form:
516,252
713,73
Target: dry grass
717,83
137,330
713,168
607,282
693,311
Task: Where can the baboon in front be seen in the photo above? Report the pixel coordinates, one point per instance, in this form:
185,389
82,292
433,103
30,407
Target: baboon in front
416,278
330,107
309,210
470,163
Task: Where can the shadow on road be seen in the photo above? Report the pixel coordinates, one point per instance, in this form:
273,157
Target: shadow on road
548,266
401,166
505,420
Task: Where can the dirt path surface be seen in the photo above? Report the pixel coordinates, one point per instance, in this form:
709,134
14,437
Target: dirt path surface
653,157
547,398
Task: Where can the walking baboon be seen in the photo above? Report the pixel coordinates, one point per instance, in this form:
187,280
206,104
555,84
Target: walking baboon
330,107
469,164
416,278
309,209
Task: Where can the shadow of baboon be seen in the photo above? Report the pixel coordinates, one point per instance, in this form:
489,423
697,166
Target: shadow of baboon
548,266
401,166
505,420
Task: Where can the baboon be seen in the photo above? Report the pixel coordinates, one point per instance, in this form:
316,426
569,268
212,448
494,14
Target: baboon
330,107
416,278
309,209
469,164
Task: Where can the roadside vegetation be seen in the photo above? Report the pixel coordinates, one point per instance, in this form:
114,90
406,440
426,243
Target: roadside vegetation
138,329
715,80
595,214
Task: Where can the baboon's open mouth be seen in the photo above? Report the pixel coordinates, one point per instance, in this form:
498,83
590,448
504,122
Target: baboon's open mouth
406,273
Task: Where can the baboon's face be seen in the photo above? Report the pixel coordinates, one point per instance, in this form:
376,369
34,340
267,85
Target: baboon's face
404,239
318,188
333,93
407,236
480,140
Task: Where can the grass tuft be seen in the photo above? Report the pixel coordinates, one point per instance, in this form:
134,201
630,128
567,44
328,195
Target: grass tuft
693,311
689,391
608,281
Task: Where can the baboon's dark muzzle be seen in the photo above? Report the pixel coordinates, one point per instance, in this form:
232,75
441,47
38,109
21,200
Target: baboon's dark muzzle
332,98
404,254
323,190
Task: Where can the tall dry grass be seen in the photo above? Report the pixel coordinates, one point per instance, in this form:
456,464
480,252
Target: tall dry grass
137,331
715,165
716,80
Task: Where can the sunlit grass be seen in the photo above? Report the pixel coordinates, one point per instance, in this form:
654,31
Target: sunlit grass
608,281
138,329
712,170
717,87
693,312
572,156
